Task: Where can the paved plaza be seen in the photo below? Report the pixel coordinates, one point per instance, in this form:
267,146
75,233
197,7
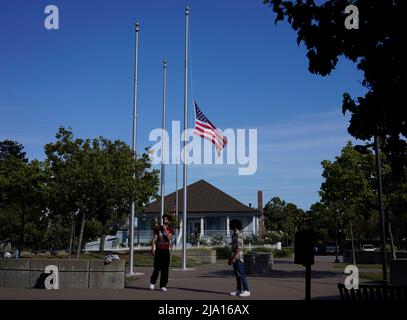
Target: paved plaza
209,282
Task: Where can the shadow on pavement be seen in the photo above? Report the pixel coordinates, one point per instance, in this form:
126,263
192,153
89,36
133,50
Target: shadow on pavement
178,288
200,290
276,274
138,288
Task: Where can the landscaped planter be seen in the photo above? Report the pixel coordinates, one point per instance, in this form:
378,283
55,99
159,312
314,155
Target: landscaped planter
258,262
25,273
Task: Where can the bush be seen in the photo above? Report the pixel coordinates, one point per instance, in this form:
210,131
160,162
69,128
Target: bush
263,249
283,253
194,240
274,236
223,252
217,240
254,240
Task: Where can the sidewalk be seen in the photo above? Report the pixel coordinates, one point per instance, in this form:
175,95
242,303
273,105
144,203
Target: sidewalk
208,282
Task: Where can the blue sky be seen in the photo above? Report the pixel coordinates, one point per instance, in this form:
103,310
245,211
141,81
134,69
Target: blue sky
246,73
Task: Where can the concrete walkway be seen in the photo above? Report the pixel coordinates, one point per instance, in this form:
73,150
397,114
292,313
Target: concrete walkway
209,282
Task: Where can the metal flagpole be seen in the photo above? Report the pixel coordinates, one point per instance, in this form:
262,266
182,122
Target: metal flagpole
176,194
131,222
162,188
184,166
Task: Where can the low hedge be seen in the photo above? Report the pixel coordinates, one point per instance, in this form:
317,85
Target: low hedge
283,253
223,252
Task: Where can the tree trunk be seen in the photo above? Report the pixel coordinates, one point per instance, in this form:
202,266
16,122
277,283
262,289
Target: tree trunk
21,237
337,246
351,239
71,239
78,252
102,243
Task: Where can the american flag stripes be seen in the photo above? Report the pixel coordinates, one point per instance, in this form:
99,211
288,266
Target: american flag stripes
205,129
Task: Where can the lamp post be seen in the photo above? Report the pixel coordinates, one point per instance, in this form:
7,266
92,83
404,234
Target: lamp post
376,147
380,195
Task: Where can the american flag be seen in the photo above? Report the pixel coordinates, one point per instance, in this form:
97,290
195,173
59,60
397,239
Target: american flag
205,129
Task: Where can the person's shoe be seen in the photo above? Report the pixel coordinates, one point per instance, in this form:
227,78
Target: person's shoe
164,289
245,293
151,286
235,293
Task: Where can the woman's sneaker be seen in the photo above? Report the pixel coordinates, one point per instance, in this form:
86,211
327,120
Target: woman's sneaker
245,293
235,293
164,289
151,286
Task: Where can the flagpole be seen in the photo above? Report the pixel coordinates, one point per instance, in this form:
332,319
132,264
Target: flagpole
162,188
176,196
184,166
134,140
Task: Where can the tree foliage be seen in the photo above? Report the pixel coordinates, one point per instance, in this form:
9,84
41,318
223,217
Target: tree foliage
84,188
95,179
347,189
22,201
377,48
283,217
349,193
10,148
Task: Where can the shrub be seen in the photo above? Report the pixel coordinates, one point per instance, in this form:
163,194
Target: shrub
263,249
217,240
253,240
223,252
283,253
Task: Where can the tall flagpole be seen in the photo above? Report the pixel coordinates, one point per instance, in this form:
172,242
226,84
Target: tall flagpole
134,140
176,196
184,166
163,143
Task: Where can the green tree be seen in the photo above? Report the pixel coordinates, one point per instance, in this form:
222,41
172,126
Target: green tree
57,232
347,190
71,184
10,148
93,180
118,187
22,204
378,50
283,217
322,221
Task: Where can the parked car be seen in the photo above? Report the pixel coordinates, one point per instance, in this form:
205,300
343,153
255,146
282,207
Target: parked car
368,247
330,250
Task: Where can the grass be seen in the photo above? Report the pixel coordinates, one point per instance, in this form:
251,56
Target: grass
367,275
373,276
141,259
361,266
283,253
